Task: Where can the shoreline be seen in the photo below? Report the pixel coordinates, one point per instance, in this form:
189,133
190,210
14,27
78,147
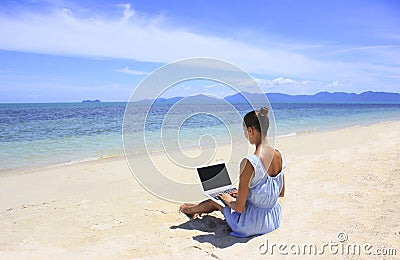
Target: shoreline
29,169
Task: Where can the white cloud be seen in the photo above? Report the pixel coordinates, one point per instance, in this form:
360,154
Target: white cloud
291,86
127,70
139,38
128,12
184,87
67,11
340,84
281,81
151,39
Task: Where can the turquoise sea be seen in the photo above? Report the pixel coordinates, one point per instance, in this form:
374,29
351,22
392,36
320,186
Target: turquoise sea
42,134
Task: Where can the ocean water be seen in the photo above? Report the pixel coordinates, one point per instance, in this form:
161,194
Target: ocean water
34,135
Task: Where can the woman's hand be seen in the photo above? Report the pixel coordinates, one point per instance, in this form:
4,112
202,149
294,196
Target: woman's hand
227,198
233,193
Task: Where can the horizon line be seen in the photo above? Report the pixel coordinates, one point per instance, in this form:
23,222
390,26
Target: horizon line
199,94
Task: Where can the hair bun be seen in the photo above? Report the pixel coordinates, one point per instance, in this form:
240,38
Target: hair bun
264,111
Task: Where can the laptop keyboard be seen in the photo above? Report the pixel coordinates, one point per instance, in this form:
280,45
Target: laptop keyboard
215,195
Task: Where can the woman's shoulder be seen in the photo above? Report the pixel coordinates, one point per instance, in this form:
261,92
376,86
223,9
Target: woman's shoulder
253,158
248,161
256,161
282,159
279,151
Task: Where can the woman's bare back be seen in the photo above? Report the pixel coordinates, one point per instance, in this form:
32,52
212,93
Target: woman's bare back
275,166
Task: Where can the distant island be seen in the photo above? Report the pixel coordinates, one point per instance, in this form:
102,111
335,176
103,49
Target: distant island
321,97
90,101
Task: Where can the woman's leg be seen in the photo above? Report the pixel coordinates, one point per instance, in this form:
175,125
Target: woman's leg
206,206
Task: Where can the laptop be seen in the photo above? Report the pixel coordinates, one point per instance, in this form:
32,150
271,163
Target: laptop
214,181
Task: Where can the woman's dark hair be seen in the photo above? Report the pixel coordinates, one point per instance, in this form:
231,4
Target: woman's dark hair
256,119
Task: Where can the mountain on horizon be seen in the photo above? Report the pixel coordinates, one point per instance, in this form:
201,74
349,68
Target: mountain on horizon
320,97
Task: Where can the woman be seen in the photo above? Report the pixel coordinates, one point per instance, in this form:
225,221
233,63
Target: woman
254,208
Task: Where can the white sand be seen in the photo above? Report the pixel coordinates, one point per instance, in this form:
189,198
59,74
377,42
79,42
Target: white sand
346,180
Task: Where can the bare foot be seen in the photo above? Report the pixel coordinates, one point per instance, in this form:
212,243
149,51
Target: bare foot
187,209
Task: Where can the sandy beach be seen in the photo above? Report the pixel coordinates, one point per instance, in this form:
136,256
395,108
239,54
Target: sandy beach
344,180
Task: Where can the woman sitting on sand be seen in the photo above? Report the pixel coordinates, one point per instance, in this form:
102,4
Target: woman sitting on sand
254,208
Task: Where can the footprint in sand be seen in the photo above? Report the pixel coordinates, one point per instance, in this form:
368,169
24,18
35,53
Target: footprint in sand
203,250
37,206
109,223
152,212
83,204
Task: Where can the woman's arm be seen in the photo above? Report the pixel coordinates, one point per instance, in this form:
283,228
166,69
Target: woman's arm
246,172
282,194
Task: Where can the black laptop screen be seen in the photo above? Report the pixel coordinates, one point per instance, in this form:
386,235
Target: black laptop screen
214,176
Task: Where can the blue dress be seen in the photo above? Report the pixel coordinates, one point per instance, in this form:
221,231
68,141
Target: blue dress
262,213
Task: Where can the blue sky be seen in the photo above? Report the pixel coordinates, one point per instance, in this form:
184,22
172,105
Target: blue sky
65,51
